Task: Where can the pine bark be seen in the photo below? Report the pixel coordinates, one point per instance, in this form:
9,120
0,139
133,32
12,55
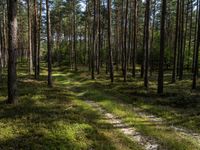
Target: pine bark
49,44
109,41
162,49
12,50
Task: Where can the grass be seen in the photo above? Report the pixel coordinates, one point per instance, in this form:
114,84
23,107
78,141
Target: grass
111,95
58,118
54,119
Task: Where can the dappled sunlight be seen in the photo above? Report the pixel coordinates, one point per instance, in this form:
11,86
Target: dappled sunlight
52,118
59,116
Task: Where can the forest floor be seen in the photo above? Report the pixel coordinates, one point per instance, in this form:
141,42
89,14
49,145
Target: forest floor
79,113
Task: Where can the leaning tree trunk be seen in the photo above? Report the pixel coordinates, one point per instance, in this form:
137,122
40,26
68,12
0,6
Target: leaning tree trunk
12,50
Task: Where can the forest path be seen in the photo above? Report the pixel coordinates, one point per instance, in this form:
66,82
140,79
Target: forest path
131,132
159,121
148,130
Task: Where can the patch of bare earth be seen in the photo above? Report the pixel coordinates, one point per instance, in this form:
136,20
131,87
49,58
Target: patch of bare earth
147,142
159,121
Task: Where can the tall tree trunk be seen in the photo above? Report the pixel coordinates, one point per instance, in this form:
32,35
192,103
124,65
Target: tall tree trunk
12,50
195,36
181,62
190,34
143,48
39,34
125,41
35,29
134,38
1,55
195,73
162,48
29,38
99,36
109,41
146,70
74,35
49,44
175,44
94,39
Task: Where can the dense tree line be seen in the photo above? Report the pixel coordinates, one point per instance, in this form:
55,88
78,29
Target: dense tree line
135,37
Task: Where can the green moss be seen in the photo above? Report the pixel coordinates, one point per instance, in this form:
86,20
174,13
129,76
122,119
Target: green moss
54,118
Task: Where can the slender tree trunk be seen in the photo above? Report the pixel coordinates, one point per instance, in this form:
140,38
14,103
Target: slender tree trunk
109,40
152,36
181,62
1,57
117,35
35,29
39,44
12,50
74,35
49,44
162,48
99,36
175,44
146,76
143,48
190,34
94,40
134,38
195,73
195,36
125,42
29,38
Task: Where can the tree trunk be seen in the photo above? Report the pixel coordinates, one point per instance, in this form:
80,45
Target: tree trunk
35,29
146,68
175,44
49,44
12,50
162,49
195,73
39,34
134,38
109,41
29,38
125,42
94,40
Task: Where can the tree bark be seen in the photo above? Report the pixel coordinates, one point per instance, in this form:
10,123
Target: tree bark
109,41
146,68
49,44
175,44
125,41
12,50
29,38
195,73
162,49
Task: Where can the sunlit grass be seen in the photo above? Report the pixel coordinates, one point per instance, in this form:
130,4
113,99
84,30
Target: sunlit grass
175,106
54,118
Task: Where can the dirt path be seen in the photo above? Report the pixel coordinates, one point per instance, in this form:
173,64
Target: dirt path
131,132
159,121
